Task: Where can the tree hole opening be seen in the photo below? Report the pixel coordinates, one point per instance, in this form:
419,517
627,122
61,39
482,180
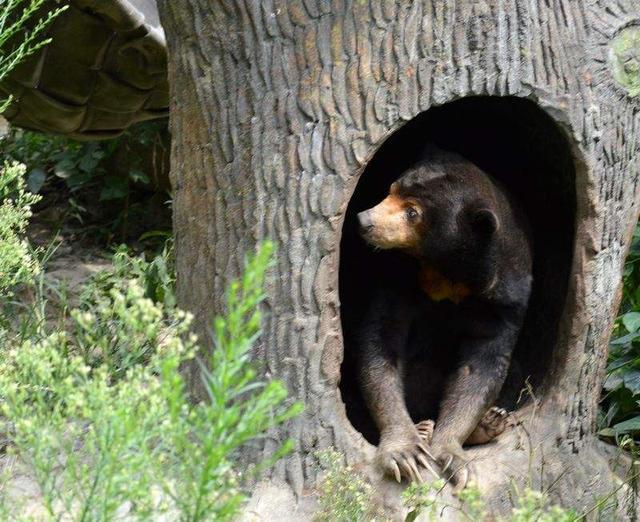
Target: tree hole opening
517,143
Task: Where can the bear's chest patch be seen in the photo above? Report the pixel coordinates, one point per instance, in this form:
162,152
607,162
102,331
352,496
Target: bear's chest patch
439,288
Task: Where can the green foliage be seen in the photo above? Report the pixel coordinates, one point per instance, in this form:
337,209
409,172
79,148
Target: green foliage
17,264
206,437
101,416
90,439
344,495
471,502
156,277
631,276
422,499
534,506
620,413
80,164
530,505
624,59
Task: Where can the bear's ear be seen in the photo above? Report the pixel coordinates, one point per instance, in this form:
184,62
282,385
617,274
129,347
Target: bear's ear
484,221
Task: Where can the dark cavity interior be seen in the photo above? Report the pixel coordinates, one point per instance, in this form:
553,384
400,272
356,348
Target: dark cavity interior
516,142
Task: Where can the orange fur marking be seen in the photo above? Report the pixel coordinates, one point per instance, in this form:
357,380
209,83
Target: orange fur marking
392,230
439,288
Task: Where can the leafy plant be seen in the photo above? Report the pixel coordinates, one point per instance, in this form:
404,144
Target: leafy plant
17,264
80,164
344,495
620,412
472,505
422,499
102,417
532,505
155,276
82,176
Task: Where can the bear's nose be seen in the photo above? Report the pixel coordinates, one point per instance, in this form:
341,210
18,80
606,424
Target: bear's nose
366,223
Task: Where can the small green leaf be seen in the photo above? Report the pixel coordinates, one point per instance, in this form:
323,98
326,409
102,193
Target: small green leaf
625,339
114,188
90,158
64,169
35,180
631,321
607,432
628,426
632,380
138,176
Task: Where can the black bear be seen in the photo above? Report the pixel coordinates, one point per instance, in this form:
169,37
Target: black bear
444,314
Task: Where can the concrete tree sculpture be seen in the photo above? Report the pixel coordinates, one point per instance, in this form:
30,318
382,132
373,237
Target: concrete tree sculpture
288,116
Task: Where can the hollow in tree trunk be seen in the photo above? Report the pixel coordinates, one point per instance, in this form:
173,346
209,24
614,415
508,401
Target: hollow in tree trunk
286,117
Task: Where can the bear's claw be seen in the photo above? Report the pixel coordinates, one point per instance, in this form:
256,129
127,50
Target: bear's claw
425,430
455,468
493,423
406,457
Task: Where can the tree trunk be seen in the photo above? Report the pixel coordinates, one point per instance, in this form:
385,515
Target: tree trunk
279,115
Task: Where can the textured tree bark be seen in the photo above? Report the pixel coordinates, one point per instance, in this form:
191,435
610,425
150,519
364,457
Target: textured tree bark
278,105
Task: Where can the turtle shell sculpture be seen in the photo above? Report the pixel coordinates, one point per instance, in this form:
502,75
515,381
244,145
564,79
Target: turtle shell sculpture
105,69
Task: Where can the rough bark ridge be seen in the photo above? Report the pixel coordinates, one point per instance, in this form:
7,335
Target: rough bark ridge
277,107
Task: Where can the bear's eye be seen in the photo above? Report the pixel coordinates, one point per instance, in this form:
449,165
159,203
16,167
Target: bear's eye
412,213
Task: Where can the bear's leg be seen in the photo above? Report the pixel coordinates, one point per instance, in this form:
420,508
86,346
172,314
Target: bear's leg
473,387
401,451
382,339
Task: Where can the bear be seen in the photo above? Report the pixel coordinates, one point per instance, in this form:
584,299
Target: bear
453,275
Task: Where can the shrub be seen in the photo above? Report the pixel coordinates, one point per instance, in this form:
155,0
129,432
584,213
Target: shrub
103,420
81,176
344,495
533,505
156,277
80,165
17,263
422,499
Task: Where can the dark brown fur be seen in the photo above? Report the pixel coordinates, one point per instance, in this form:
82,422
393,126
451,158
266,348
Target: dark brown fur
445,315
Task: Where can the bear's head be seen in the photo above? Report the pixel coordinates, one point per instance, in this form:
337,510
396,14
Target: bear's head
446,215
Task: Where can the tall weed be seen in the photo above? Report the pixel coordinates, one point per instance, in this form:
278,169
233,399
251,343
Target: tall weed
103,420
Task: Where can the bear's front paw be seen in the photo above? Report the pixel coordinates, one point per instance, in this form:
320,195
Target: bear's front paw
405,454
454,465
